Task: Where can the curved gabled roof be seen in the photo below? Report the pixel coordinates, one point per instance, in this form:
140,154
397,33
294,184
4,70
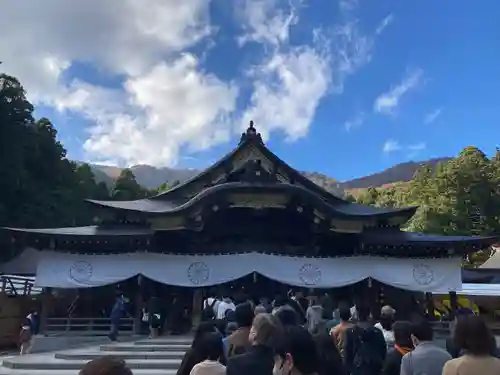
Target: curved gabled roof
253,139
345,210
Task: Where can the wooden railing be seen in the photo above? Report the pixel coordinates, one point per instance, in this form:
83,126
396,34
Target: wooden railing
86,326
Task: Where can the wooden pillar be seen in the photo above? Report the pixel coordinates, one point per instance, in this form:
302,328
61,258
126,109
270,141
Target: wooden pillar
372,290
197,307
45,309
453,305
138,304
431,310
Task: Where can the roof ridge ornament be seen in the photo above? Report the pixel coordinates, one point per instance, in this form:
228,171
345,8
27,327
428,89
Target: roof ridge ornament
251,134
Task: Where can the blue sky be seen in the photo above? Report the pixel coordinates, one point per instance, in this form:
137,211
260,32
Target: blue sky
345,88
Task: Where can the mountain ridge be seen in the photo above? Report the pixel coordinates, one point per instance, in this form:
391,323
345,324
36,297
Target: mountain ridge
151,177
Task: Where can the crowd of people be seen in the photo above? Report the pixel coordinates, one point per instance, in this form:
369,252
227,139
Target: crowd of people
289,337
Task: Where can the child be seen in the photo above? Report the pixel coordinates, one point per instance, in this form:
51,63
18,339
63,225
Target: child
26,338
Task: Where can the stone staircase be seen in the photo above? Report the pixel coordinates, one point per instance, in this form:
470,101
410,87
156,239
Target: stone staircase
160,356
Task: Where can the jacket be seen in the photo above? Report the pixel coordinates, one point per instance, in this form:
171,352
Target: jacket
259,360
238,342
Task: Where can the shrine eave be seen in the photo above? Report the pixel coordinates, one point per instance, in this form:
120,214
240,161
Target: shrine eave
87,231
214,194
403,238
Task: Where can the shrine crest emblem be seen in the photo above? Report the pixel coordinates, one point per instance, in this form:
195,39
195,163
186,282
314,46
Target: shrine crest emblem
81,271
423,274
198,273
310,274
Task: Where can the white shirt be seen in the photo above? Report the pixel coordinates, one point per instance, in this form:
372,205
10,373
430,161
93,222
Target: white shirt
223,307
388,335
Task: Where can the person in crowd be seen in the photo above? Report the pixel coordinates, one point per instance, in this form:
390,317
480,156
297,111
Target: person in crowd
34,321
221,326
450,342
118,311
211,354
264,335
193,355
154,310
296,354
210,307
385,326
427,358
365,348
238,342
338,333
302,300
287,316
477,344
260,309
224,306
25,338
314,314
402,345
279,301
106,365
294,304
230,328
330,361
264,304
177,318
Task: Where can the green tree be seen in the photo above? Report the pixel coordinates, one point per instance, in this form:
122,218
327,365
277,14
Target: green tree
127,188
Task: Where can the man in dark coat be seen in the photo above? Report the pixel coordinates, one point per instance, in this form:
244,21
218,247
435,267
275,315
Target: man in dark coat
265,332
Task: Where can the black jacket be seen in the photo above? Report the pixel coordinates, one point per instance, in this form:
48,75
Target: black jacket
259,360
392,363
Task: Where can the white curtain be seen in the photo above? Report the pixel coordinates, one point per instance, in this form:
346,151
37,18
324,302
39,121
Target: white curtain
82,271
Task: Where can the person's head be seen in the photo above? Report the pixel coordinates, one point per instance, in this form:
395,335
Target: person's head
387,311
244,315
203,328
231,327
421,331
260,309
220,325
473,335
279,301
287,316
107,365
363,312
402,334
344,313
296,354
210,346
266,330
386,321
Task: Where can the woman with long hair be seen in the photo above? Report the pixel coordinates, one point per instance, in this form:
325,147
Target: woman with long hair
193,355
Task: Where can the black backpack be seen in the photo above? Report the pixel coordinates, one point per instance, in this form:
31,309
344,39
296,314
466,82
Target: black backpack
208,312
368,356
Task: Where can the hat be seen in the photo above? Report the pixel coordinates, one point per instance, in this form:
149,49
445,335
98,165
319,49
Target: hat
387,310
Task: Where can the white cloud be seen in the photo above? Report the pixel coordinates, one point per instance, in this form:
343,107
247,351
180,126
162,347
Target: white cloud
388,102
432,116
391,145
384,23
291,81
354,122
166,102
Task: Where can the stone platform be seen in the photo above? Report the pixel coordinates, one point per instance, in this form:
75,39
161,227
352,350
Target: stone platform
145,357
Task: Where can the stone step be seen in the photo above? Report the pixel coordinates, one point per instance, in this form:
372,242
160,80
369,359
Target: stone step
166,341
89,355
7,371
51,363
143,348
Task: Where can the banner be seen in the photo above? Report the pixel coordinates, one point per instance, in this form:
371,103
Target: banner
59,270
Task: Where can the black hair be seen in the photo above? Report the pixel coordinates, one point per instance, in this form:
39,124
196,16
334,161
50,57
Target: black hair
287,316
211,347
386,321
244,315
422,330
473,335
363,312
329,359
203,328
300,345
106,365
402,333
344,313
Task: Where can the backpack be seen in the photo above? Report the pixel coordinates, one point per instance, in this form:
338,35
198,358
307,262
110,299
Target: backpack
367,351
208,312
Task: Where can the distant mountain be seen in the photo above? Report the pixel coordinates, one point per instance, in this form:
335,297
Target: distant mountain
152,177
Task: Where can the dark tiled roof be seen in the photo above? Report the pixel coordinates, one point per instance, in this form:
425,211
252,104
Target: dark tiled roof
396,237
87,231
346,210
